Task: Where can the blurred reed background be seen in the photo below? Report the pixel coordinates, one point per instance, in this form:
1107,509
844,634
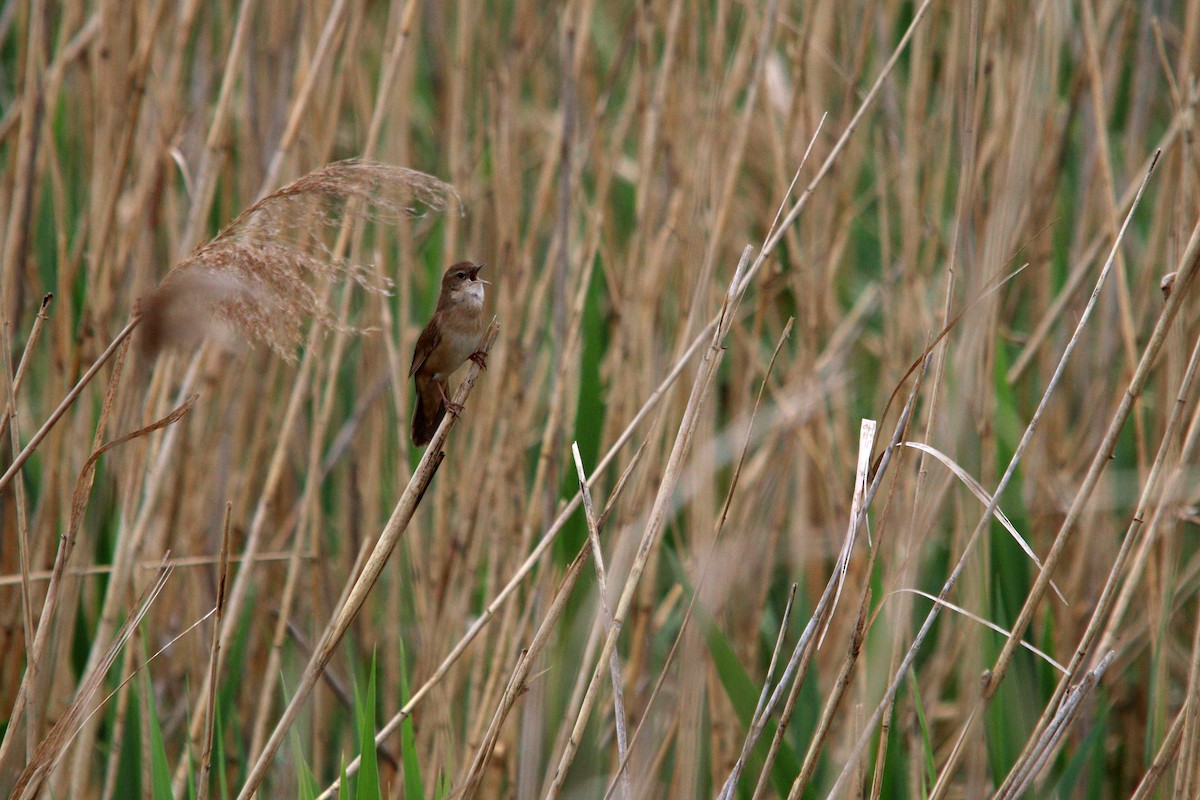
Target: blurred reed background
612,161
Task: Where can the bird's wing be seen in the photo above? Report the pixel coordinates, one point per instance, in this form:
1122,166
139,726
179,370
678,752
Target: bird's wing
428,340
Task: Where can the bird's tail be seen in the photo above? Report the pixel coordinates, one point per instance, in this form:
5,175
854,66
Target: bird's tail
428,413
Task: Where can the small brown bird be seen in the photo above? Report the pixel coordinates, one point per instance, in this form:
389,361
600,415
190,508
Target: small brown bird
450,338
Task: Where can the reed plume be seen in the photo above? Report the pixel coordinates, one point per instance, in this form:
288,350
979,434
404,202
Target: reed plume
260,277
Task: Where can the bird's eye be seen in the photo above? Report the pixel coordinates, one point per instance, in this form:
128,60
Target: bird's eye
460,275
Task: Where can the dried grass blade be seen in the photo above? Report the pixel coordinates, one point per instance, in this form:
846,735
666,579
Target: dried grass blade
986,623
981,494
54,746
802,653
609,623
866,444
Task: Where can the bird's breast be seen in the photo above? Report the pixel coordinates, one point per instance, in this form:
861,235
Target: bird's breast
461,330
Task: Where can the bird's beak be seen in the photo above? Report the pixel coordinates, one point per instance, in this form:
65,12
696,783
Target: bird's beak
475,275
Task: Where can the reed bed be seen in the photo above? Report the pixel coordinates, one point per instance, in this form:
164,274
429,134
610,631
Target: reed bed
837,438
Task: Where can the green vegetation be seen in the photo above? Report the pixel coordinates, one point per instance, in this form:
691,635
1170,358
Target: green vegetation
224,569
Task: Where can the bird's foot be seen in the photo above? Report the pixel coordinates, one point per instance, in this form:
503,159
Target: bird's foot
452,407
480,358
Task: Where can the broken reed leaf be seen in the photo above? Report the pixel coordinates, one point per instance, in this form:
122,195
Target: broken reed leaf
258,278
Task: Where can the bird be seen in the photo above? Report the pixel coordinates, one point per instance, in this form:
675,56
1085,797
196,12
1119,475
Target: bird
448,341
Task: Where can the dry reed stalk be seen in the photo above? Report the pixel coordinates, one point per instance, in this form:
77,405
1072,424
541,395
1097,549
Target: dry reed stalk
24,169
73,395
119,110
31,731
557,274
1187,269
298,112
1044,746
833,701
658,92
243,581
707,562
1026,436
806,646
334,361
1166,754
128,552
1163,516
183,561
34,680
54,746
120,719
705,565
163,98
210,708
12,384
959,258
1075,280
561,407
1096,87
1189,771
729,181
535,556
565,374
656,521
1104,604
760,710
204,179
618,683
361,585
300,543
832,704
794,212
517,684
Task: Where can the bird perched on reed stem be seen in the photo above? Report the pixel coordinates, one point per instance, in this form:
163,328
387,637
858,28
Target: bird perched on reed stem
450,338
